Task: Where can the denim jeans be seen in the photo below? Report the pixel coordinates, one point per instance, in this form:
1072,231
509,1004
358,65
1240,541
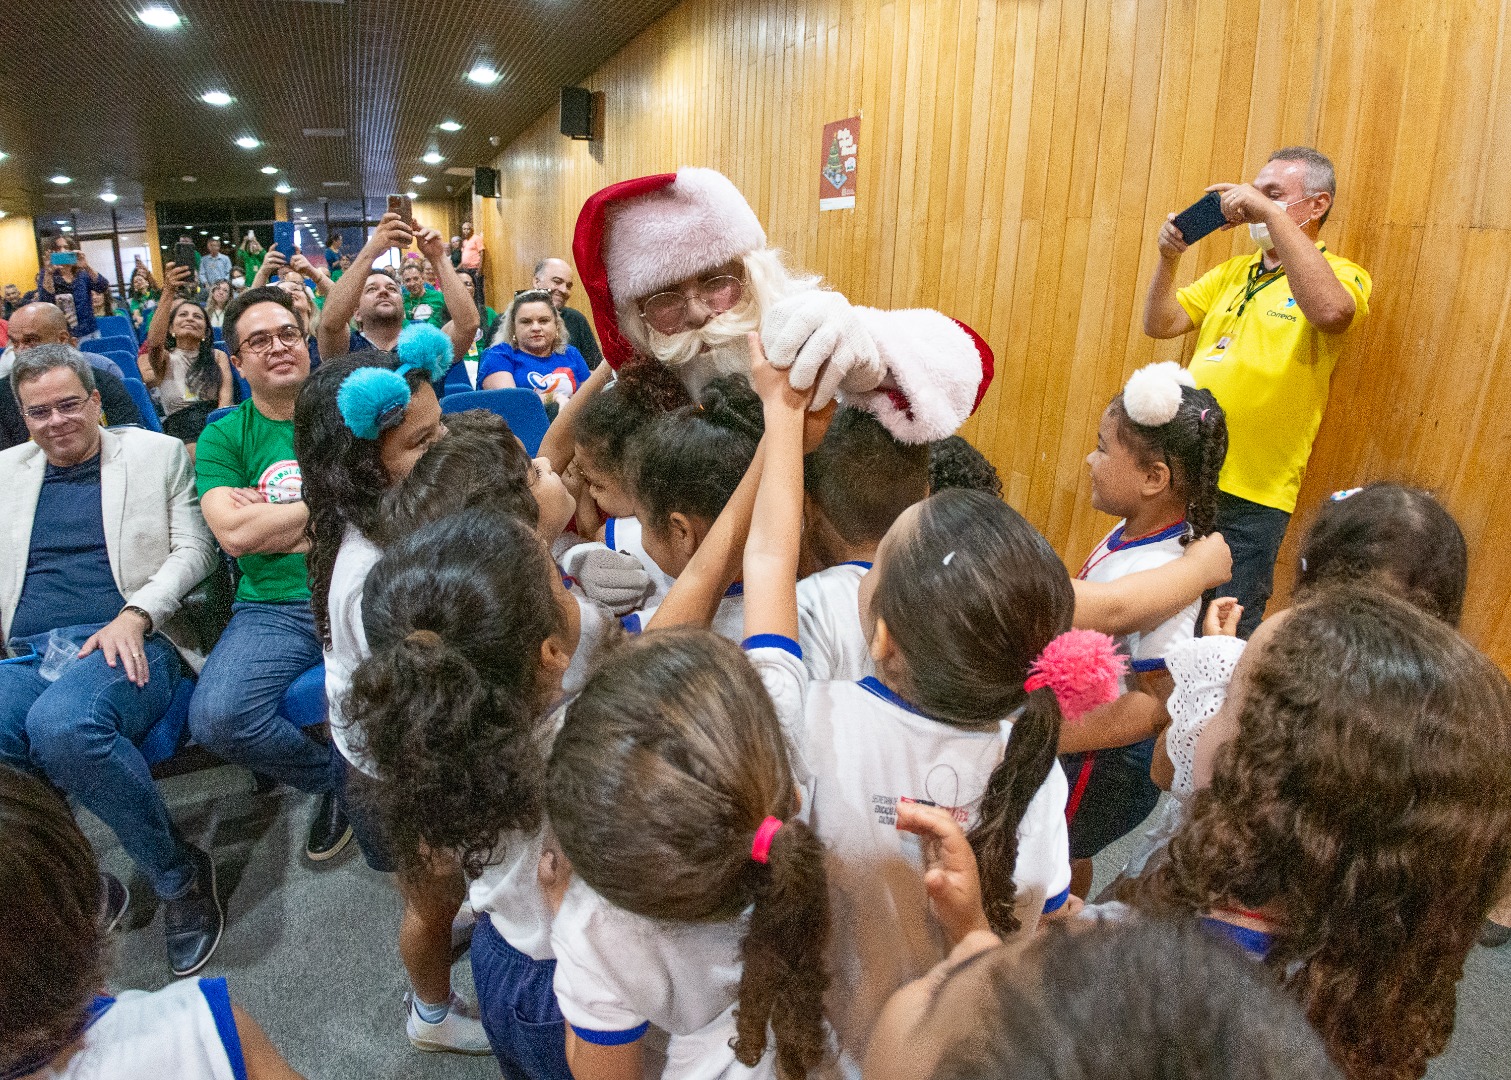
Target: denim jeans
235,710
518,1005
1254,533
81,733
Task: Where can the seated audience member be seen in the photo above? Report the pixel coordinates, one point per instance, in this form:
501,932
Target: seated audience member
455,252
374,297
45,324
486,321
55,1020
71,287
215,306
142,300
189,375
214,266
955,463
10,300
35,325
555,277
422,302
1357,824
309,317
530,349
250,487
109,542
1139,1000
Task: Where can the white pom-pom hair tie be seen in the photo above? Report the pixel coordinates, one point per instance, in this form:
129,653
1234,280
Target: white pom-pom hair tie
1152,396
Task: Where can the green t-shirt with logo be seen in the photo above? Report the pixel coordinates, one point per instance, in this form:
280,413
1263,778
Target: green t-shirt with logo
244,449
429,306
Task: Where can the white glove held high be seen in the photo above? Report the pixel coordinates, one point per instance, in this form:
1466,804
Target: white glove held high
817,335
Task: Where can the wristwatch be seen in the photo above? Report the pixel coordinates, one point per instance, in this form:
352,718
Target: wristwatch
138,611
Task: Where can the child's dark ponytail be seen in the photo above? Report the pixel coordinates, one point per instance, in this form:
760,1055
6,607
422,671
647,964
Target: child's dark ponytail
1014,782
690,461
1212,440
784,976
1190,436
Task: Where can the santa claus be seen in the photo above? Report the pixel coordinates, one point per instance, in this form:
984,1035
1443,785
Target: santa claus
677,269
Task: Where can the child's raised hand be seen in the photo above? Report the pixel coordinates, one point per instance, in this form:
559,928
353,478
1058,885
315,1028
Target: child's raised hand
771,384
1222,617
1213,557
950,872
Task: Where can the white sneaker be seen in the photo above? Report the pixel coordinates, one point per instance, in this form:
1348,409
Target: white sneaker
457,1033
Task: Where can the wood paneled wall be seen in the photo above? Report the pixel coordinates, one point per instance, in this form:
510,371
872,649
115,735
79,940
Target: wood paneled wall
1017,158
18,253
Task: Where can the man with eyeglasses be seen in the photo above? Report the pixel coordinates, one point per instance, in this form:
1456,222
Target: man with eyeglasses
1270,326
253,499
105,539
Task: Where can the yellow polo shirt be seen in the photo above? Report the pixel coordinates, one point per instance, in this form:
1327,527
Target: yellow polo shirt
1269,369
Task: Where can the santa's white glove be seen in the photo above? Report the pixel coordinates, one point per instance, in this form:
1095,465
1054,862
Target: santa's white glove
613,578
814,328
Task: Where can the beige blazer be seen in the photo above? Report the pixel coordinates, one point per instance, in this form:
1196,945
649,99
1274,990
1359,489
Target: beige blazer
160,547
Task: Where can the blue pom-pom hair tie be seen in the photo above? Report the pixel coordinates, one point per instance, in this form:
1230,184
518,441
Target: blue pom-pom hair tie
372,400
424,348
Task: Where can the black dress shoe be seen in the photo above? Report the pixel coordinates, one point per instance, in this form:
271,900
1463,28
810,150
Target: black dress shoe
193,922
329,829
114,899
1493,935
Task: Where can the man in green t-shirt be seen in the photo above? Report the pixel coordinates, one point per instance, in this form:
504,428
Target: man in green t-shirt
253,500
421,302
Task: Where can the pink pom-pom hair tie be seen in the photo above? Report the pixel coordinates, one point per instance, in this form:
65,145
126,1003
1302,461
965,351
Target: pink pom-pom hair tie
760,848
1082,667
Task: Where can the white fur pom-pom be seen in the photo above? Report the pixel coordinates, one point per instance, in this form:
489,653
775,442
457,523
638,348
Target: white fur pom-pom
1152,396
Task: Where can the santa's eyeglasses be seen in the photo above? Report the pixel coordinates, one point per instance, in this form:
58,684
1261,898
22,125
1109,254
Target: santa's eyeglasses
666,312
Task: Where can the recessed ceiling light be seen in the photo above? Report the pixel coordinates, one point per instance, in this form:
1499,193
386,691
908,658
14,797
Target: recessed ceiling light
204,232
2,213
412,194
218,98
60,221
269,170
108,196
298,209
189,179
3,155
61,179
68,228
433,158
417,179
246,142
159,17
283,189
484,74
450,125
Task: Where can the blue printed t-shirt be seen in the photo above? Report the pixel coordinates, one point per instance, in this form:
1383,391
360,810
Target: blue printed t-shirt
68,576
548,376
244,449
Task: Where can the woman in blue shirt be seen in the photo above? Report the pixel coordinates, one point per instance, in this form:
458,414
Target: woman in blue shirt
531,350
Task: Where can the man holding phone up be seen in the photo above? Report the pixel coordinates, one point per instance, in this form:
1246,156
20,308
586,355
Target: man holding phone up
1270,328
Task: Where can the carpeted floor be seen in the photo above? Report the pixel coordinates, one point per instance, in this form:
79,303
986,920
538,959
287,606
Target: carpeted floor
310,950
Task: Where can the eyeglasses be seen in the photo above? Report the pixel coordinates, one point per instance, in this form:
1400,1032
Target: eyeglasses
68,408
666,312
261,343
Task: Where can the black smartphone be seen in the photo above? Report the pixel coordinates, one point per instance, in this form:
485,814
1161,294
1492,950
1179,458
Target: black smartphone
183,254
1201,218
403,206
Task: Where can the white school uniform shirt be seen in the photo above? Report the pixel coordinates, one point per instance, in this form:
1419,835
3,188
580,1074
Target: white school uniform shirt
1117,557
828,619
185,1031
863,748
348,647
508,890
728,621
625,535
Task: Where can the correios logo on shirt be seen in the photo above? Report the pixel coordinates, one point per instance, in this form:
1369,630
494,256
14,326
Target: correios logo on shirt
280,482
559,381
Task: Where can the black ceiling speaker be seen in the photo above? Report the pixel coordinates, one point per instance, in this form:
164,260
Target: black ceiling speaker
576,112
485,183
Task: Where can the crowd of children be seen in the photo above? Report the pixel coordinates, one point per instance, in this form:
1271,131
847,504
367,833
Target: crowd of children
749,724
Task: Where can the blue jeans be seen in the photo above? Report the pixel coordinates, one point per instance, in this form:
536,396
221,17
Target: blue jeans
1254,533
81,733
235,710
517,1001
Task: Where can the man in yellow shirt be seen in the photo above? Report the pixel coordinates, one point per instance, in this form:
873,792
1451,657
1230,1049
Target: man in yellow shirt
1270,327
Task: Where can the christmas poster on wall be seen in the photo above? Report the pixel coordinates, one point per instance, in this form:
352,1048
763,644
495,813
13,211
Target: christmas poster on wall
841,145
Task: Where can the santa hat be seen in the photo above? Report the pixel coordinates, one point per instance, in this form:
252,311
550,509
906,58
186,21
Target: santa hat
642,235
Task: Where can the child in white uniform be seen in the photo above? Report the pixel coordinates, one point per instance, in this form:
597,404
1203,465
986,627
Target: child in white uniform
54,1025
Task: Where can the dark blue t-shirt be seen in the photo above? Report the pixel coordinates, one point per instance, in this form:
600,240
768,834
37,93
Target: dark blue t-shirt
546,375
68,578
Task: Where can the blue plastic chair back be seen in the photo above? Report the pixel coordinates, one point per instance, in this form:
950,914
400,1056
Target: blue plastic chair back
119,325
304,701
124,360
216,414
521,408
168,734
457,381
138,391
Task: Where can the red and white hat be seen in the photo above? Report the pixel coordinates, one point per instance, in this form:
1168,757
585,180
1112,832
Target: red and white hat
642,235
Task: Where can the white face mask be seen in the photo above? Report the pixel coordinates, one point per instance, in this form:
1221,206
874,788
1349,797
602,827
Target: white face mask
1259,232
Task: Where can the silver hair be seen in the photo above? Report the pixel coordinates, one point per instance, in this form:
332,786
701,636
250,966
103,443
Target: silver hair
1320,175
38,361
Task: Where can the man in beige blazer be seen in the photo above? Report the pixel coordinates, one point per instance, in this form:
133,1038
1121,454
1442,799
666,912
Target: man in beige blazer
104,539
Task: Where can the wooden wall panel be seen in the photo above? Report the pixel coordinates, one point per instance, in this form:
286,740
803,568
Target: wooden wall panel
18,253
1017,157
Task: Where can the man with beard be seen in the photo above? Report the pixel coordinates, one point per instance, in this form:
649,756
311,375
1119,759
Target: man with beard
555,277
374,296
678,271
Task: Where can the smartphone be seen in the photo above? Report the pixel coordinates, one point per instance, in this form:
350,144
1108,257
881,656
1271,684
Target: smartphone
64,258
1201,218
283,238
403,206
183,254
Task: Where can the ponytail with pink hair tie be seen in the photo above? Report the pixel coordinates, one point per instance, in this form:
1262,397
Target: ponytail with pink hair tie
1082,667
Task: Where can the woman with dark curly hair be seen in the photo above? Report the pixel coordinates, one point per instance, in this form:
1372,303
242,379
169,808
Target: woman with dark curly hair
1357,826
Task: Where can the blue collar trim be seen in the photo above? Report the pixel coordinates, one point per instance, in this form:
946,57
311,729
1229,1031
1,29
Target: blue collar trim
856,562
887,694
1170,532
1256,943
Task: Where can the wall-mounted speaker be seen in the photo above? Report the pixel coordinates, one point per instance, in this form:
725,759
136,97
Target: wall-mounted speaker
576,112
485,183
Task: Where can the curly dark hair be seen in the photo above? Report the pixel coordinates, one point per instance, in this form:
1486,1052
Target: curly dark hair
955,463
608,425
52,947
451,697
1193,446
1366,802
690,461
343,475
671,758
